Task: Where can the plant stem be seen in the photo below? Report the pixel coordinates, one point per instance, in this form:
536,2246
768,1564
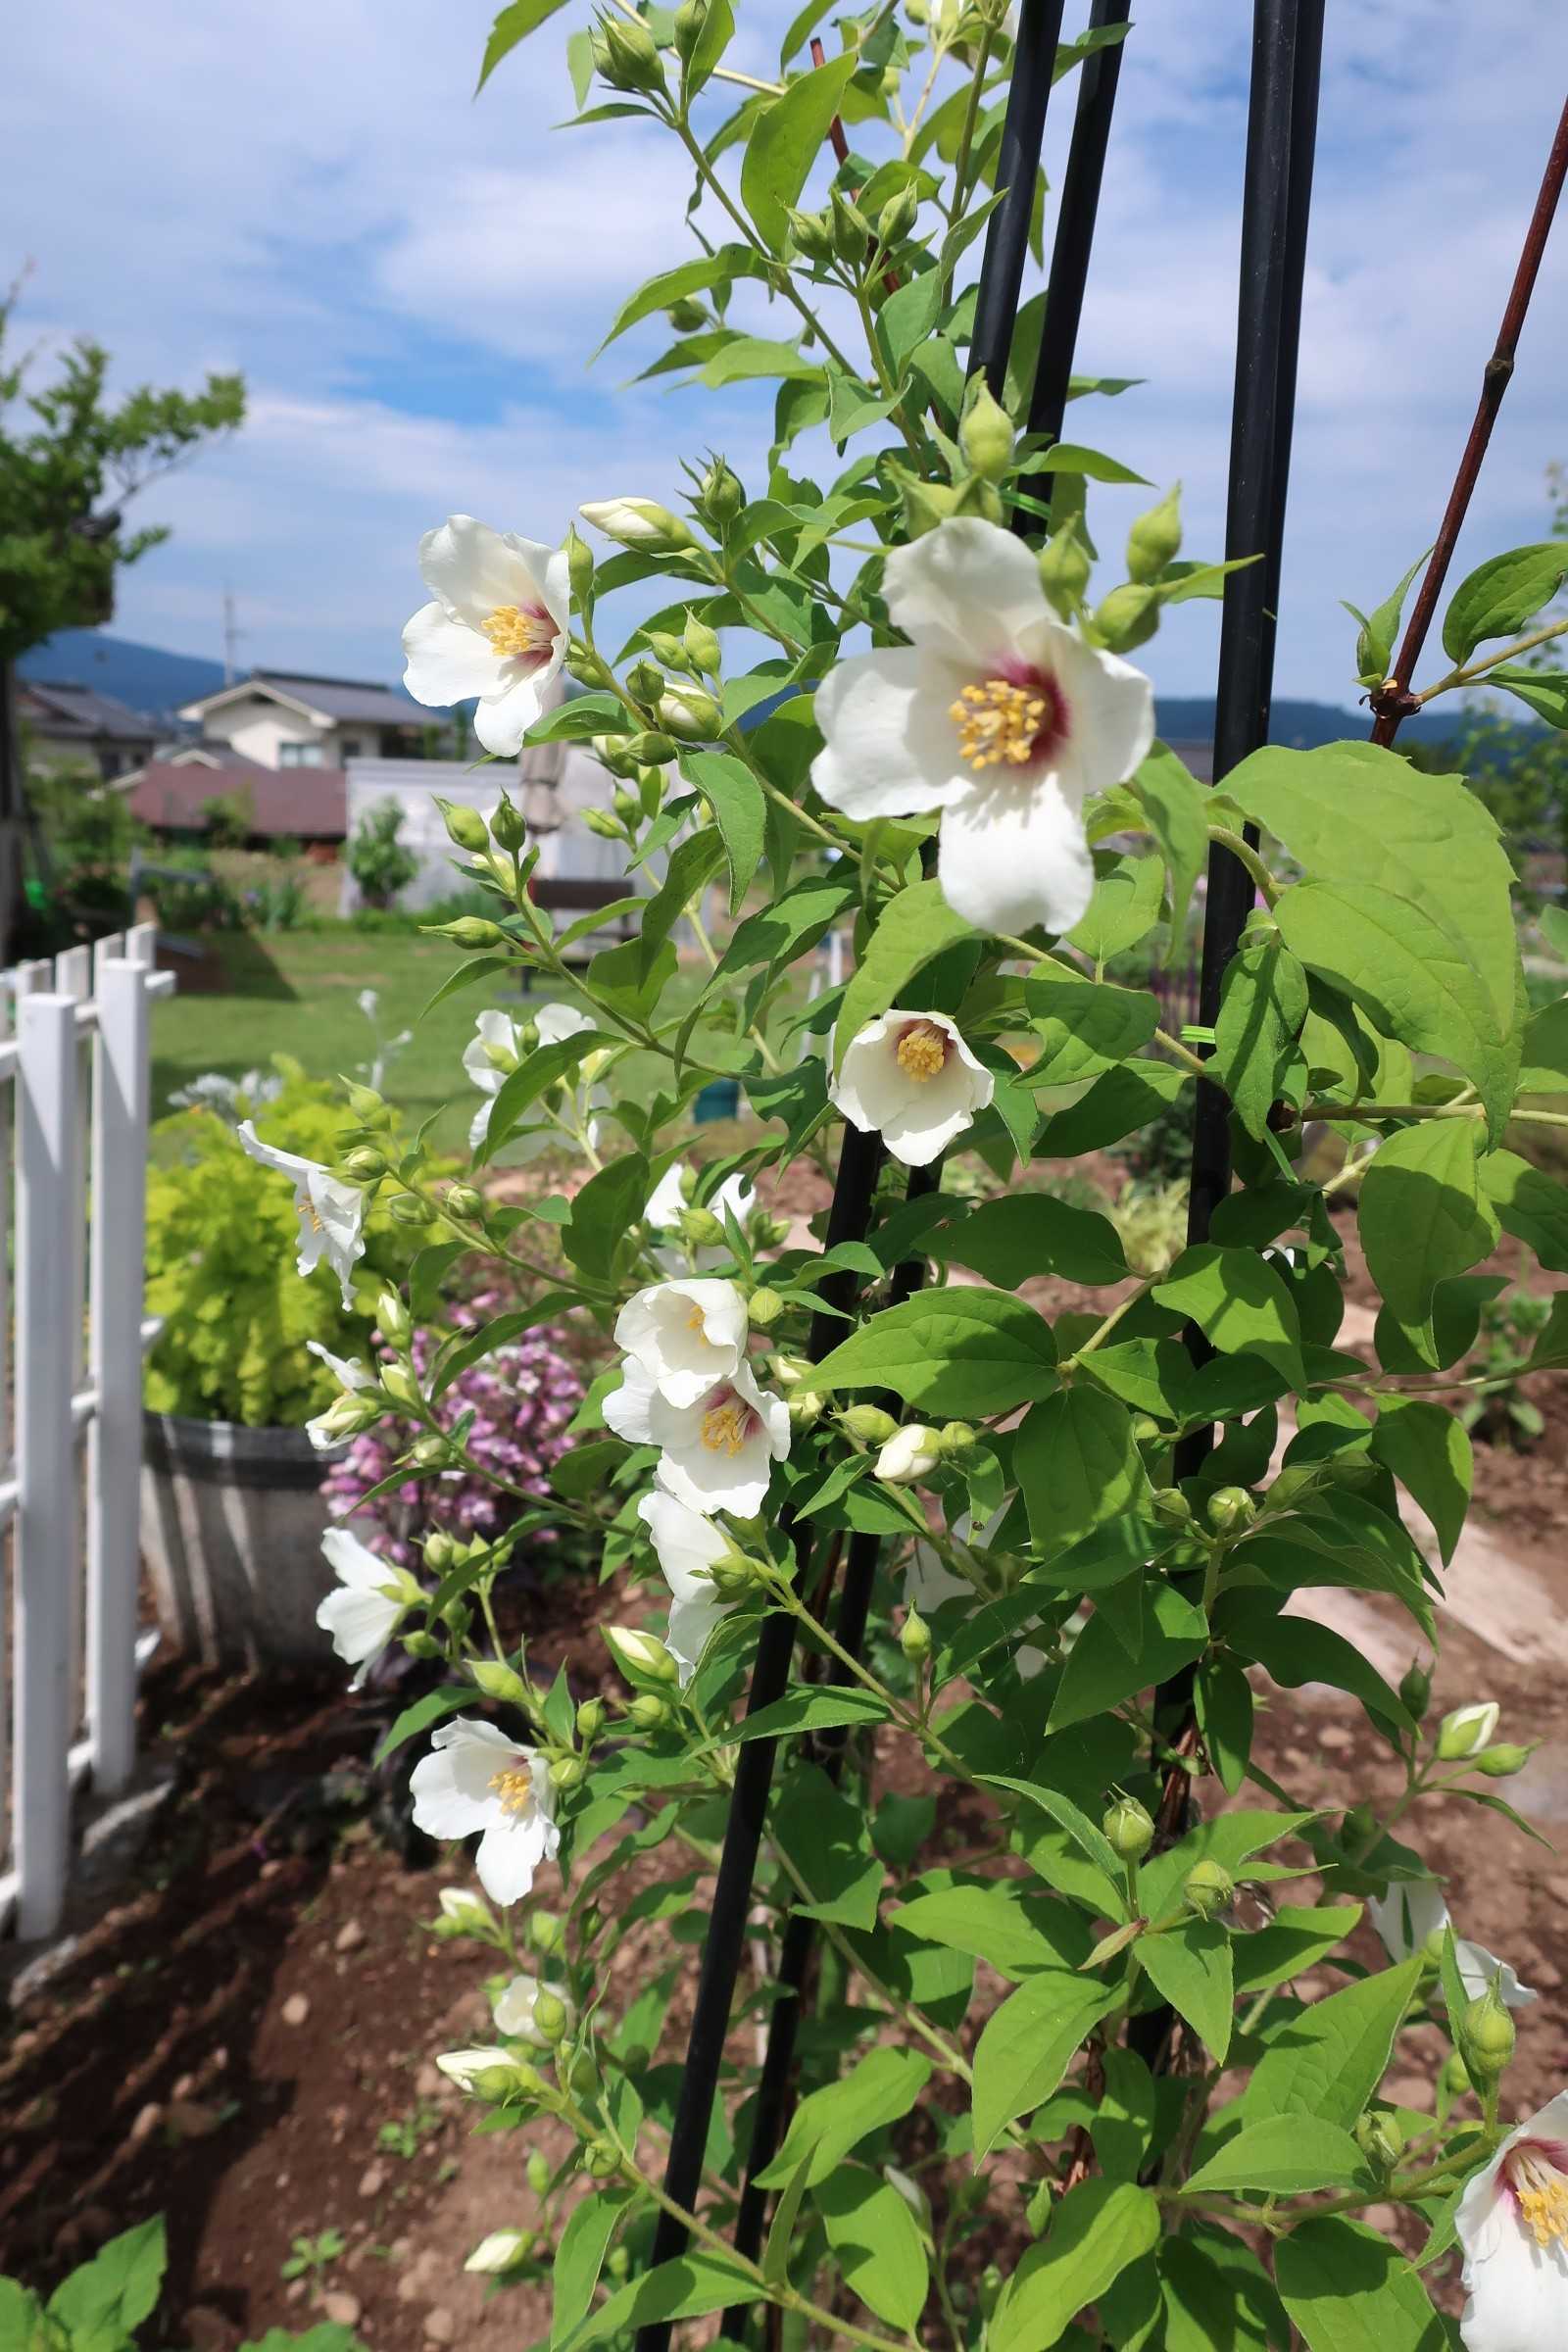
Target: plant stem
1478,670
1242,851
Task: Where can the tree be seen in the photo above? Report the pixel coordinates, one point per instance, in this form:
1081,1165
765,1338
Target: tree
70,461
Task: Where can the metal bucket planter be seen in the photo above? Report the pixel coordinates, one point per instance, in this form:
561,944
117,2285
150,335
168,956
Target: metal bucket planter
232,1526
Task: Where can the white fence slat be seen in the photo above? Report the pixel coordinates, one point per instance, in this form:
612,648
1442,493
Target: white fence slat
141,944
119,1110
107,950
48,1204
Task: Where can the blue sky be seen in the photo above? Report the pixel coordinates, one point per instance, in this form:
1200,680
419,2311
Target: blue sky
411,281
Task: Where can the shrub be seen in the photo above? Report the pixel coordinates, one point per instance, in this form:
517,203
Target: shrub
380,862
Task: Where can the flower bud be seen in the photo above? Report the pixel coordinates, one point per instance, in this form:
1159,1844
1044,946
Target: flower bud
925,505
1466,1730
1209,1888
645,681
897,216
1486,2039
463,1913
465,1203
1415,1689
590,1720
1380,2138
648,1712
1064,569
581,662
627,806
691,714
440,1551
666,650
464,825
506,827
869,1423
812,235
639,1657
617,2262
989,2294
986,435
367,1105
914,1637
638,522
538,2172
546,1932
551,2016
1156,538
690,19
1454,2080
789,1371
1360,1828
500,1682
567,1772
348,1415
733,1578
364,1164
722,494
852,231
1129,1829
764,1309
611,752
702,646
580,564
1230,1510
501,2251
601,2159
1171,1507
1127,617
601,822
805,1408
700,1228
430,1452
392,1318
400,1383
469,931
627,56
1501,1762
955,1440
910,1454
651,749
493,2076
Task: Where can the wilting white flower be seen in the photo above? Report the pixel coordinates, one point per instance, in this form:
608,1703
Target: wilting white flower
1414,1910
331,1213
910,1454
513,2009
687,1547
668,1202
501,2251
340,1419
910,1078
466,2067
373,1595
1512,2221
476,1779
496,1050
497,627
997,714
717,1454
686,1336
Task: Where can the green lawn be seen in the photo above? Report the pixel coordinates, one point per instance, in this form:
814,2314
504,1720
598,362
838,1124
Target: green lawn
297,991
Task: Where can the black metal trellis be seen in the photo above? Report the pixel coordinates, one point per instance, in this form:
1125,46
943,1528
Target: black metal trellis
1281,121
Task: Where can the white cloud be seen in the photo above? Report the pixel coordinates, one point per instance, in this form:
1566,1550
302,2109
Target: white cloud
412,280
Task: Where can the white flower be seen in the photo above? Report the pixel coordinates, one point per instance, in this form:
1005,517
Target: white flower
1414,1910
687,1546
716,1454
501,2251
373,1595
496,1050
476,1779
369,1003
910,1078
910,1454
665,1204
513,2009
1466,1731
1512,2222
997,714
686,1336
497,627
331,1427
331,1213
465,2067
465,1913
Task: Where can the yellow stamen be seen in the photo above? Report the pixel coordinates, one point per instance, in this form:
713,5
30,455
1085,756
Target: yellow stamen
515,1789
922,1051
998,721
512,630
1543,2196
305,1207
725,1427
693,1321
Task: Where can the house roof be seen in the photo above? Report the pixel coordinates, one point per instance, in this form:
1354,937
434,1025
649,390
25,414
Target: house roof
82,711
305,803
345,700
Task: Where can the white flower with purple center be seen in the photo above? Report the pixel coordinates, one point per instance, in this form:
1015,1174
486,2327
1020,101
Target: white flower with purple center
716,1453
476,1778
1512,2222
496,627
686,1336
688,1548
910,1078
331,1213
1414,1912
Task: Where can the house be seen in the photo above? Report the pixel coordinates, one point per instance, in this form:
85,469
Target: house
300,803
68,724
283,718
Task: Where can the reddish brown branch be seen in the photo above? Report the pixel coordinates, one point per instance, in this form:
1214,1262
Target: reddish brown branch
1395,699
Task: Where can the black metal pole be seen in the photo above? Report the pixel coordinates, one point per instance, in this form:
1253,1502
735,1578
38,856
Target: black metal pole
1075,223
1034,62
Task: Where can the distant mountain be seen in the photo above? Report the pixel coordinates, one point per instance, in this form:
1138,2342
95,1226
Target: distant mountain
142,675
1189,718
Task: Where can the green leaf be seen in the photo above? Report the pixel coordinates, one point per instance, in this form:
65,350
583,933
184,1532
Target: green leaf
1024,1234
1378,628
1016,1934
1296,1939
1545,1062
965,1353
1070,457
545,1067
1101,1674
824,1835
912,928
578,2259
1098,2229
684,2289
1085,1026
514,25
1530,1205
1545,691
1125,907
785,142
1176,806
827,2124
1262,1008
1240,1302
1026,2046
1421,1213
1116,1105
1346,2290
1329,2061
1229,1838
612,1200
1089,1840
1501,595
877,2243
740,812
810,1708
718,31
696,277
781,2229
1282,2155
907,317
1191,1966
1294,1651
1430,1454
109,2297
433,1707
1078,1465
745,358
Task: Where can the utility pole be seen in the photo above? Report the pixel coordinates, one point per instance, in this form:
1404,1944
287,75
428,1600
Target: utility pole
232,633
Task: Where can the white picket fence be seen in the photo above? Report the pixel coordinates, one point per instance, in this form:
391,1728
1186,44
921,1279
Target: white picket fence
74,1117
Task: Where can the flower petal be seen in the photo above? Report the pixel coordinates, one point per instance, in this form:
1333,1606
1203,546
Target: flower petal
502,719
474,570
1111,707
448,661
934,1113
1013,853
967,588
508,1855
890,748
